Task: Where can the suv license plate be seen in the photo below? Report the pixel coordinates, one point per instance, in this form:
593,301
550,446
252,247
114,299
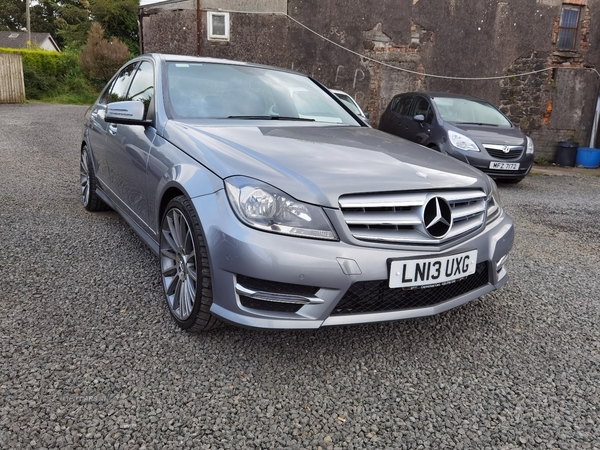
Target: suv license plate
504,165
432,271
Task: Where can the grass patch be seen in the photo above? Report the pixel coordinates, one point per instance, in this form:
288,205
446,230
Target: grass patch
541,161
69,98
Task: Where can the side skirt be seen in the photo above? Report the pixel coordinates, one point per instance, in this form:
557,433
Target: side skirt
149,240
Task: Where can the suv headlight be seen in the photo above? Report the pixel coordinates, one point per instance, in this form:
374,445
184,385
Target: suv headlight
529,150
494,208
265,207
462,142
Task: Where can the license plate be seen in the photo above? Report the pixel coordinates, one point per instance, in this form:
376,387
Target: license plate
432,271
504,165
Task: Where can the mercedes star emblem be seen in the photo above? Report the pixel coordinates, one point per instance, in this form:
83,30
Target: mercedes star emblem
437,217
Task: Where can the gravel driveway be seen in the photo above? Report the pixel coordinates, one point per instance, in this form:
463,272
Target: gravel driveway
91,359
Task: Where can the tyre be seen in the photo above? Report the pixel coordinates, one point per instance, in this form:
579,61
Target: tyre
185,268
88,184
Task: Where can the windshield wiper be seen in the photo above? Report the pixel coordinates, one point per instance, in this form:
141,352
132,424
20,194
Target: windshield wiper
301,119
477,123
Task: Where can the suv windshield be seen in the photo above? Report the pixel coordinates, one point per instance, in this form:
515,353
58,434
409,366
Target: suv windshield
222,91
461,110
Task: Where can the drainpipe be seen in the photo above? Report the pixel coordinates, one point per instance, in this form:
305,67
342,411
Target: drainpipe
198,28
595,125
141,30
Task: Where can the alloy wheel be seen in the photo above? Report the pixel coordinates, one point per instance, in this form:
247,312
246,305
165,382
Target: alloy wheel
178,264
84,179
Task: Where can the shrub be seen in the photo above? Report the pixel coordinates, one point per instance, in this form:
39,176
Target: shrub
54,75
100,58
37,83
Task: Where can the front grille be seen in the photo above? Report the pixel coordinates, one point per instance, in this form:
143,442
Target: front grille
397,217
497,151
377,296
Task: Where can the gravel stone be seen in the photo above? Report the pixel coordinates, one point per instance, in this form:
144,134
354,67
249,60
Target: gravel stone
91,359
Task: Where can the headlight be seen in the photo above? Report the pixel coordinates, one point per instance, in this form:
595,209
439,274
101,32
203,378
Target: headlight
529,150
493,203
463,142
262,206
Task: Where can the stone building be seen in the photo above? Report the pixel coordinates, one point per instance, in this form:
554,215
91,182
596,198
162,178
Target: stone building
535,59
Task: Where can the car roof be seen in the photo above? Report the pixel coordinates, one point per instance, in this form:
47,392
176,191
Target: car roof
432,95
203,59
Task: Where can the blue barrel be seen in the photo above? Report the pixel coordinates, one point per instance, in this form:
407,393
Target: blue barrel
588,157
566,152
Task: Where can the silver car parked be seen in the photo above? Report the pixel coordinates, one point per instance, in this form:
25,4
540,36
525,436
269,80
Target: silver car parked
270,205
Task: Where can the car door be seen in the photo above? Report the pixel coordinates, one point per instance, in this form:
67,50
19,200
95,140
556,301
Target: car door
98,129
386,117
400,115
128,147
419,131
101,129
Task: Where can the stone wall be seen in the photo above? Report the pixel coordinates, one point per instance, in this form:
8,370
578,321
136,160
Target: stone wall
450,39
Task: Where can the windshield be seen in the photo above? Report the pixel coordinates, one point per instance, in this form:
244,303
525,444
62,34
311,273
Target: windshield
222,91
461,110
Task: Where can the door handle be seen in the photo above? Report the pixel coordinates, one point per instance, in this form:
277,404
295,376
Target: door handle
112,128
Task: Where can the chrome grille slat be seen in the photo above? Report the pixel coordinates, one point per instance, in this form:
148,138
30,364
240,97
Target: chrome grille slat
398,217
384,217
466,211
382,200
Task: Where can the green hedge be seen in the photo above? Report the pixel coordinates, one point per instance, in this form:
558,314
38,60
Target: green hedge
53,74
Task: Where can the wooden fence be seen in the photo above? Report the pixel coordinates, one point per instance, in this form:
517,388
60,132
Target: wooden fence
12,84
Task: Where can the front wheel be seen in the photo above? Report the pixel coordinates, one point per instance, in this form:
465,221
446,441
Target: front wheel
185,267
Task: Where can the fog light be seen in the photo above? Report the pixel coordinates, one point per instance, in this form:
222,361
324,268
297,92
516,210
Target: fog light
501,262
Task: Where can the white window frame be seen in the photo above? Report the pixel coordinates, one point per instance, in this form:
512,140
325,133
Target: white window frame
211,35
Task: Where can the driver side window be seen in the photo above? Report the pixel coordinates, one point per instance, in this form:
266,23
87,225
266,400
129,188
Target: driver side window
142,86
118,90
422,107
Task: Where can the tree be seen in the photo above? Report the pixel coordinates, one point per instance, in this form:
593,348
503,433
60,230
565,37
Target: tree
73,21
13,17
119,19
69,21
100,58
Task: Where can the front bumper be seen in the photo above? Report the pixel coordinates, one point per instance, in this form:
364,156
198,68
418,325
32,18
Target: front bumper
482,162
316,275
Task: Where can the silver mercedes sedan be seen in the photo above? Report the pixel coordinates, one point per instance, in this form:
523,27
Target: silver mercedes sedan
270,204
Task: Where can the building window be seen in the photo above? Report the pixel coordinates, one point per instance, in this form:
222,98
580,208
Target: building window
567,28
218,26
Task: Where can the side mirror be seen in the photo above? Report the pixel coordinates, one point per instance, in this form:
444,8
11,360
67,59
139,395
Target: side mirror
367,116
419,118
126,113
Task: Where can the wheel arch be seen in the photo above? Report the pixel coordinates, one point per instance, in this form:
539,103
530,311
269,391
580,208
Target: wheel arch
169,194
